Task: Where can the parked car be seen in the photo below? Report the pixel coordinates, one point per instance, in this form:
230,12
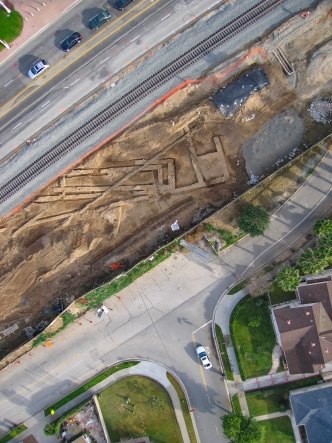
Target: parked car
99,19
121,4
203,357
38,68
70,41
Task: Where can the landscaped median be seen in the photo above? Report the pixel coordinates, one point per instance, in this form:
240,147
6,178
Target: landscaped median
13,433
223,353
89,384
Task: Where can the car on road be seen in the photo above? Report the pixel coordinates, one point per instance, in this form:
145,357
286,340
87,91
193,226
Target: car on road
70,41
201,352
38,68
99,19
121,4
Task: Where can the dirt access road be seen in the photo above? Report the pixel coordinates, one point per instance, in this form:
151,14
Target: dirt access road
180,162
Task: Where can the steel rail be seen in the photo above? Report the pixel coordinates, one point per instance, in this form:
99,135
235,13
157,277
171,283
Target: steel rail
136,94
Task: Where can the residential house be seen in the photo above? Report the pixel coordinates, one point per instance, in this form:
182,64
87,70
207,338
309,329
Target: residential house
312,410
304,328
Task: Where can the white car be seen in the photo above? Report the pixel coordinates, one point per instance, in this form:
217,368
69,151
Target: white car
38,68
203,357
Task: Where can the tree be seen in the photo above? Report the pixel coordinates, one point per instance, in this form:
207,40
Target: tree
313,262
259,284
323,228
241,429
253,220
288,279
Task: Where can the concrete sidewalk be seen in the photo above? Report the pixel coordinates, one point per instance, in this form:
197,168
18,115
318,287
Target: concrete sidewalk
35,425
37,16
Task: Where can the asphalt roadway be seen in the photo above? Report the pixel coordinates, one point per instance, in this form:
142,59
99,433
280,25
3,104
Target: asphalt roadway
28,105
162,316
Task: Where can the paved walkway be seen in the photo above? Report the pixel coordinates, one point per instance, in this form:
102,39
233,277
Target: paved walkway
150,369
37,15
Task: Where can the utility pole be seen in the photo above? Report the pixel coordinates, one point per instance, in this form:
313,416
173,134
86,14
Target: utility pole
5,7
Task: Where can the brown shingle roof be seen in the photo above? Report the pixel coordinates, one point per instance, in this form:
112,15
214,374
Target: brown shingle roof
299,338
317,291
306,330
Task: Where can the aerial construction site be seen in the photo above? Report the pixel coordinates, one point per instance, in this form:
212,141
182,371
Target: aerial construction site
182,159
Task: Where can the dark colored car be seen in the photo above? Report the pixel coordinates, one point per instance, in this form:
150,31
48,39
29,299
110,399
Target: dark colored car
121,4
70,41
99,19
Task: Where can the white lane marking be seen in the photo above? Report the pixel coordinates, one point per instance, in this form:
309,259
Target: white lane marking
46,103
71,84
203,326
11,81
17,125
105,60
166,16
217,430
280,239
131,41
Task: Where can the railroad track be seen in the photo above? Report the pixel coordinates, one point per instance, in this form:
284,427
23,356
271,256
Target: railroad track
136,94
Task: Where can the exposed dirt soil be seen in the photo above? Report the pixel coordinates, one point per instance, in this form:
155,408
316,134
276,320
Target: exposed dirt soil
180,162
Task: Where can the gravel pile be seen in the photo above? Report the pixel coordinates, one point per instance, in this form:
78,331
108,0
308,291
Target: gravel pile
321,110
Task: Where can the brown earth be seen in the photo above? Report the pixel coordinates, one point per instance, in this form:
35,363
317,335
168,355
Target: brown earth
180,162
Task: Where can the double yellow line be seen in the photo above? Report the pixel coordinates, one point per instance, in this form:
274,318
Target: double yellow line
60,66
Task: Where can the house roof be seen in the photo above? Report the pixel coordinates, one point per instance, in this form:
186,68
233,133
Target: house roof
306,330
317,291
312,408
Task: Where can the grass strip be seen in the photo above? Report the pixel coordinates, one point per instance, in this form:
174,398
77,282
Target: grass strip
267,401
89,384
223,353
184,407
13,433
95,298
236,404
237,288
11,26
55,426
67,319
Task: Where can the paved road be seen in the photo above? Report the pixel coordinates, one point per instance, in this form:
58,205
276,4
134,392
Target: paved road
161,316
27,105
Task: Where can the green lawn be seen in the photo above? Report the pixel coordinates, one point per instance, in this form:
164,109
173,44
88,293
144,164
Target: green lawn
184,407
277,295
253,336
10,26
278,430
275,399
89,384
13,433
223,352
136,406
